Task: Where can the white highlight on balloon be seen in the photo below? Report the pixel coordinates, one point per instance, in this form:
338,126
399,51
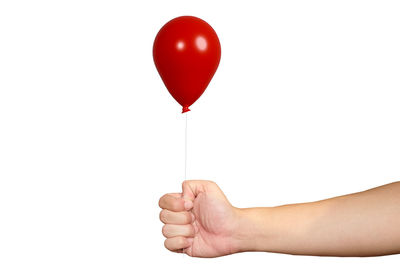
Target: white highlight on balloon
180,45
201,43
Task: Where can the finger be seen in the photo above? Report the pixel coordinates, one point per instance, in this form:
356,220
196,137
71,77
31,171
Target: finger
171,217
177,195
172,202
191,188
172,230
178,243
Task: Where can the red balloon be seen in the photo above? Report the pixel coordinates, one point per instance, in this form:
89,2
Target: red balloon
186,53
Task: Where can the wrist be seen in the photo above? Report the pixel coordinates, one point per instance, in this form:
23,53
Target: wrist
283,229
254,229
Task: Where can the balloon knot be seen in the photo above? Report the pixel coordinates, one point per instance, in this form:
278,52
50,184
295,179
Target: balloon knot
185,109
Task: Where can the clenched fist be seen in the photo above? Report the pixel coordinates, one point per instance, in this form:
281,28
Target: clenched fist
200,221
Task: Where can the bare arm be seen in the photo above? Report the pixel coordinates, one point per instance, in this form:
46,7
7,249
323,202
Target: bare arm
361,224
201,222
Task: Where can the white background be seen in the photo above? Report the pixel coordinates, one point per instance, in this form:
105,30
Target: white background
304,106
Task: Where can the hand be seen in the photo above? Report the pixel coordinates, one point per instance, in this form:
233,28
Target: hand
200,221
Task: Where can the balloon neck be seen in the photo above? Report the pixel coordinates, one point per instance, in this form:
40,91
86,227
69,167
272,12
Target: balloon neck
185,109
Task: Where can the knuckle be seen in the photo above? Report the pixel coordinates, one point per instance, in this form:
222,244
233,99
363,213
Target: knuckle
162,216
164,230
166,244
160,202
184,183
211,182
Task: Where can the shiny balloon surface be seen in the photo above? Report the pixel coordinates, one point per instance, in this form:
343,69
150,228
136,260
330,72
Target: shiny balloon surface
186,53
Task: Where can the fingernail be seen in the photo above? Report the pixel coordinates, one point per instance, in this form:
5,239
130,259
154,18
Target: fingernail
193,218
190,240
188,205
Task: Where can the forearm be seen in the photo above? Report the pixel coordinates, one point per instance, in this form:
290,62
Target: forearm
360,224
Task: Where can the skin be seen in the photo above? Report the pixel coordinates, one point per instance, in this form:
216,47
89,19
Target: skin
201,222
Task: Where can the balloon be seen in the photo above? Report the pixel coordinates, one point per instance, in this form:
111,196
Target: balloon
186,53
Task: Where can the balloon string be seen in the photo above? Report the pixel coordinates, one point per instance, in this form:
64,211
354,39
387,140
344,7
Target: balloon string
185,144
183,250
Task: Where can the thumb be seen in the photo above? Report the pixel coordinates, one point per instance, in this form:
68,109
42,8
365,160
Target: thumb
192,188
